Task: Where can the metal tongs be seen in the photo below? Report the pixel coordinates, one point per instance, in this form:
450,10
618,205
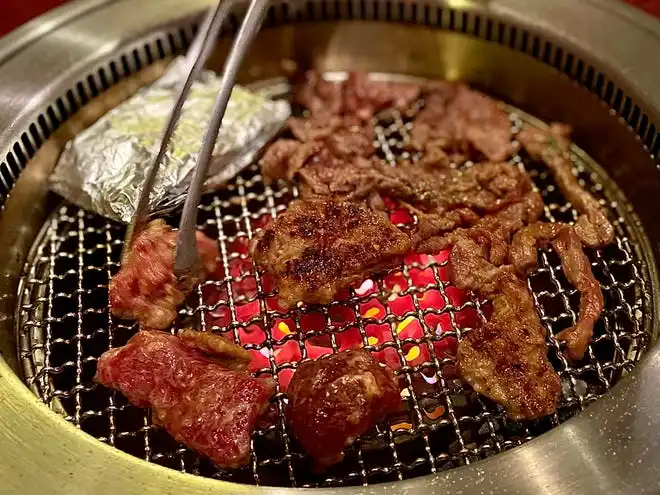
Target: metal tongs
187,261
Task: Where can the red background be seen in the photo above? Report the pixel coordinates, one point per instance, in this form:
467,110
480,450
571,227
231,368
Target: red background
17,12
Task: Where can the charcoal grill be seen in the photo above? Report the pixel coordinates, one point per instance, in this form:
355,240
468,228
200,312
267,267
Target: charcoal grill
547,61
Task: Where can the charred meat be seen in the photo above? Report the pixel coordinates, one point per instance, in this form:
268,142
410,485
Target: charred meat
334,399
317,247
202,404
145,288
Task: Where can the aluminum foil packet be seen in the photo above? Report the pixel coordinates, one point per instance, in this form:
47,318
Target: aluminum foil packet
103,168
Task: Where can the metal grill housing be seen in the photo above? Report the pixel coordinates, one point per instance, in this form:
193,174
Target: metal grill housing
500,47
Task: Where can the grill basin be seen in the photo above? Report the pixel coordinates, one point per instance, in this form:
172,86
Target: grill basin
467,428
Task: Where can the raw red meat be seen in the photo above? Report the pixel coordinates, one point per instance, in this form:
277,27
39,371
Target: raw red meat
145,289
334,399
202,404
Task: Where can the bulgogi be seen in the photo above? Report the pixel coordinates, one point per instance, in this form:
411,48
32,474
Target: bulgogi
462,122
317,247
201,403
145,288
487,213
334,399
482,206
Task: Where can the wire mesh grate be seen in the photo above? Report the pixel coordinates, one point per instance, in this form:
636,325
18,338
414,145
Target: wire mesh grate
411,320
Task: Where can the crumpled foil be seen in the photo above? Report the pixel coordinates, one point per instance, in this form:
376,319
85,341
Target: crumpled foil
103,168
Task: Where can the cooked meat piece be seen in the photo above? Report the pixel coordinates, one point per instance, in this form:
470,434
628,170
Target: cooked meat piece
526,242
314,128
318,95
348,180
145,288
506,359
495,230
344,136
456,118
485,187
552,147
275,162
442,200
352,139
436,158
317,247
471,270
364,96
358,96
210,409
217,347
576,267
334,399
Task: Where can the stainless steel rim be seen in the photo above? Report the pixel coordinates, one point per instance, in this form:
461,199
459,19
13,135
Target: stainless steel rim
585,451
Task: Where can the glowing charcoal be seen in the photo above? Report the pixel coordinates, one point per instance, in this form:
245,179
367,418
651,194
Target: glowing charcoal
409,328
371,313
413,353
284,377
366,287
259,360
312,322
435,413
316,351
287,353
245,312
430,379
252,334
422,278
401,305
349,339
416,354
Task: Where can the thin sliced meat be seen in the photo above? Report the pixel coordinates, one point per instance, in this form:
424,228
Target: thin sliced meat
576,267
364,96
218,348
505,359
458,119
359,95
275,162
527,241
495,230
552,147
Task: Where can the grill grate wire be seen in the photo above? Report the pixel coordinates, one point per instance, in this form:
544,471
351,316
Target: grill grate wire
411,319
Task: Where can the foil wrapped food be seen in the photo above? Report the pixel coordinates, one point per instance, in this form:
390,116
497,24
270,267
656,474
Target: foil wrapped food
103,168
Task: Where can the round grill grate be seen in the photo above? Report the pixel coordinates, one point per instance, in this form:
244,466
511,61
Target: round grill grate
412,320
